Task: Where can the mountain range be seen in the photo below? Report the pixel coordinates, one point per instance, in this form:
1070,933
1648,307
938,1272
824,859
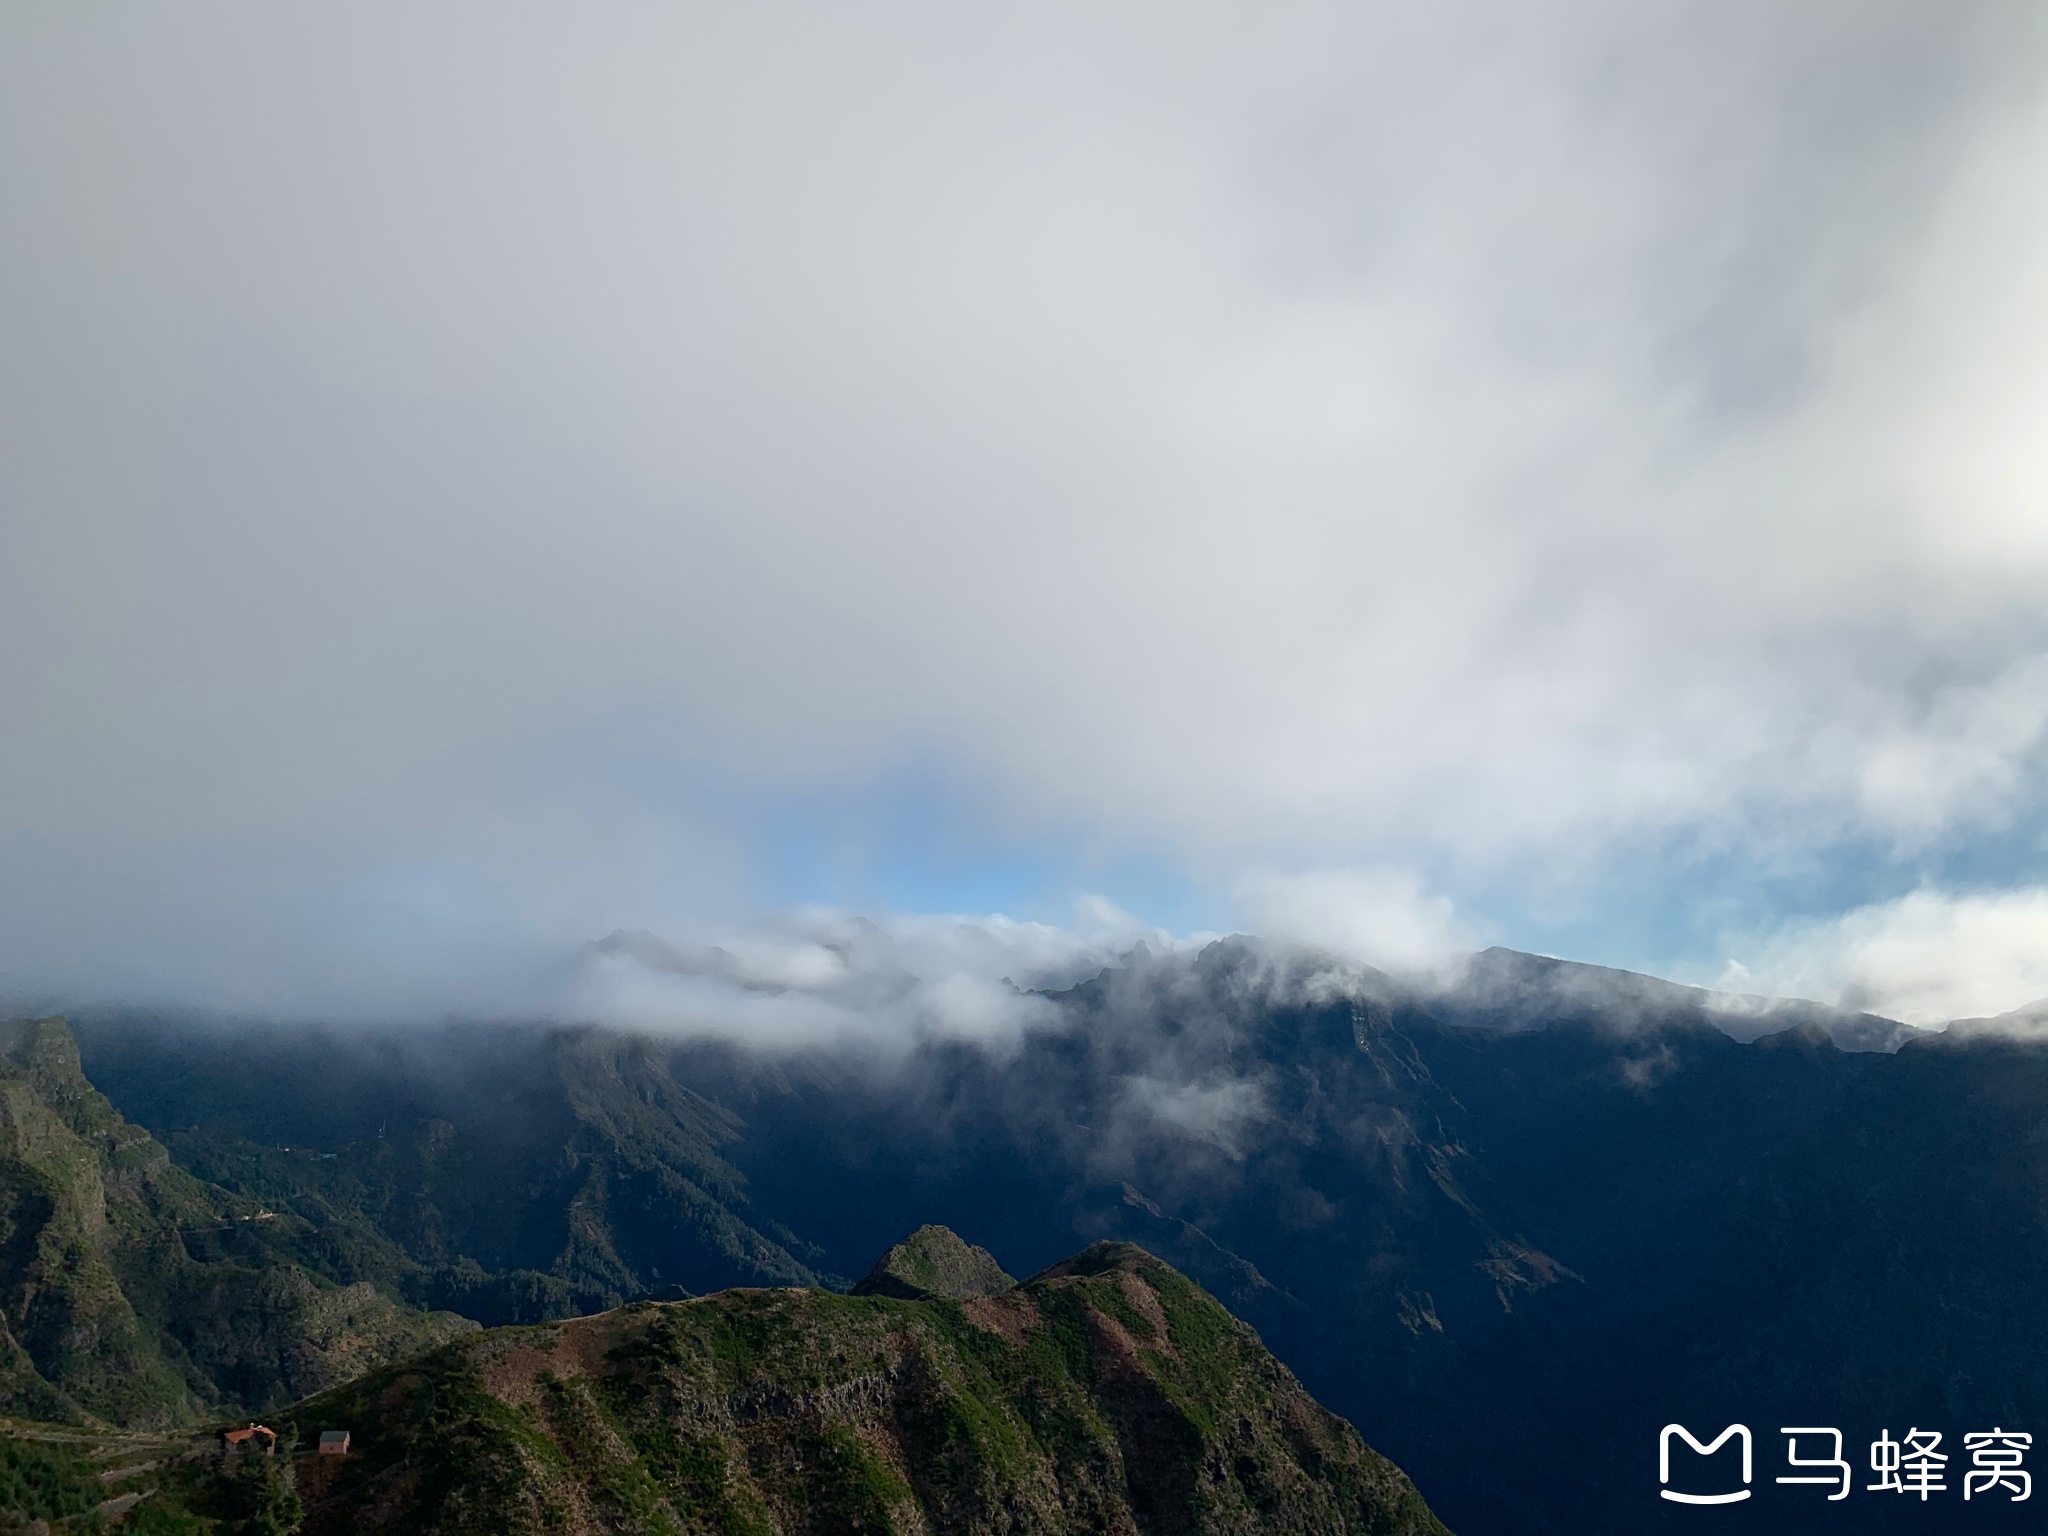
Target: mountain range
1508,1226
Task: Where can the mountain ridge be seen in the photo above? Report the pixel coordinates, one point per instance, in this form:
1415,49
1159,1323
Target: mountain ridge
1105,1393
1513,989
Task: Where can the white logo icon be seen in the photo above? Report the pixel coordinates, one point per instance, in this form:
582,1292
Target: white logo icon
1664,1462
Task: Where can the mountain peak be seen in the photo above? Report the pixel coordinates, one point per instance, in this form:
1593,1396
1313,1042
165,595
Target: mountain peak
936,1262
1508,990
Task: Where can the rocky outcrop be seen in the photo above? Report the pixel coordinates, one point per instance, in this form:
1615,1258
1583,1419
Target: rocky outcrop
935,1262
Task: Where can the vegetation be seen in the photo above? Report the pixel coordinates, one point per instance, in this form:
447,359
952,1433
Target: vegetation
133,1292
46,1482
1107,1393
549,1174
932,1262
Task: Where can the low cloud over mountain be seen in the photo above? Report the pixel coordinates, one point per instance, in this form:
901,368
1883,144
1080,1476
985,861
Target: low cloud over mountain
485,479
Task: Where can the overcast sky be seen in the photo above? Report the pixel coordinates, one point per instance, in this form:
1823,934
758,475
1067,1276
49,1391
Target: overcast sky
476,478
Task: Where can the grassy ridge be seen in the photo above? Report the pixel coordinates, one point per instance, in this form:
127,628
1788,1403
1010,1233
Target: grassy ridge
1108,1393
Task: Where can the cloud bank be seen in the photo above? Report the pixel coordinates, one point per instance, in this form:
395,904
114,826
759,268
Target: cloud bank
1380,916
1925,958
478,477
826,978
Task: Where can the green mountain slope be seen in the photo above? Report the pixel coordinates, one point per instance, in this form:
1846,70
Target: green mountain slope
543,1175
134,1292
1108,1393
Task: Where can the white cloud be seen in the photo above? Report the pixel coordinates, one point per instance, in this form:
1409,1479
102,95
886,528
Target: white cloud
823,977
1374,915
1290,437
1925,958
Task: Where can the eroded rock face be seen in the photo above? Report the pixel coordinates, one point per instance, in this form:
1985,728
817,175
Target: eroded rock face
935,1262
1109,1393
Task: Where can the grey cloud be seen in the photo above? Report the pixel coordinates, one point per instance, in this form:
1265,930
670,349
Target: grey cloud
1300,438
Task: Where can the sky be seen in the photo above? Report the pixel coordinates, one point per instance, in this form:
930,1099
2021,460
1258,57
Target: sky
474,479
